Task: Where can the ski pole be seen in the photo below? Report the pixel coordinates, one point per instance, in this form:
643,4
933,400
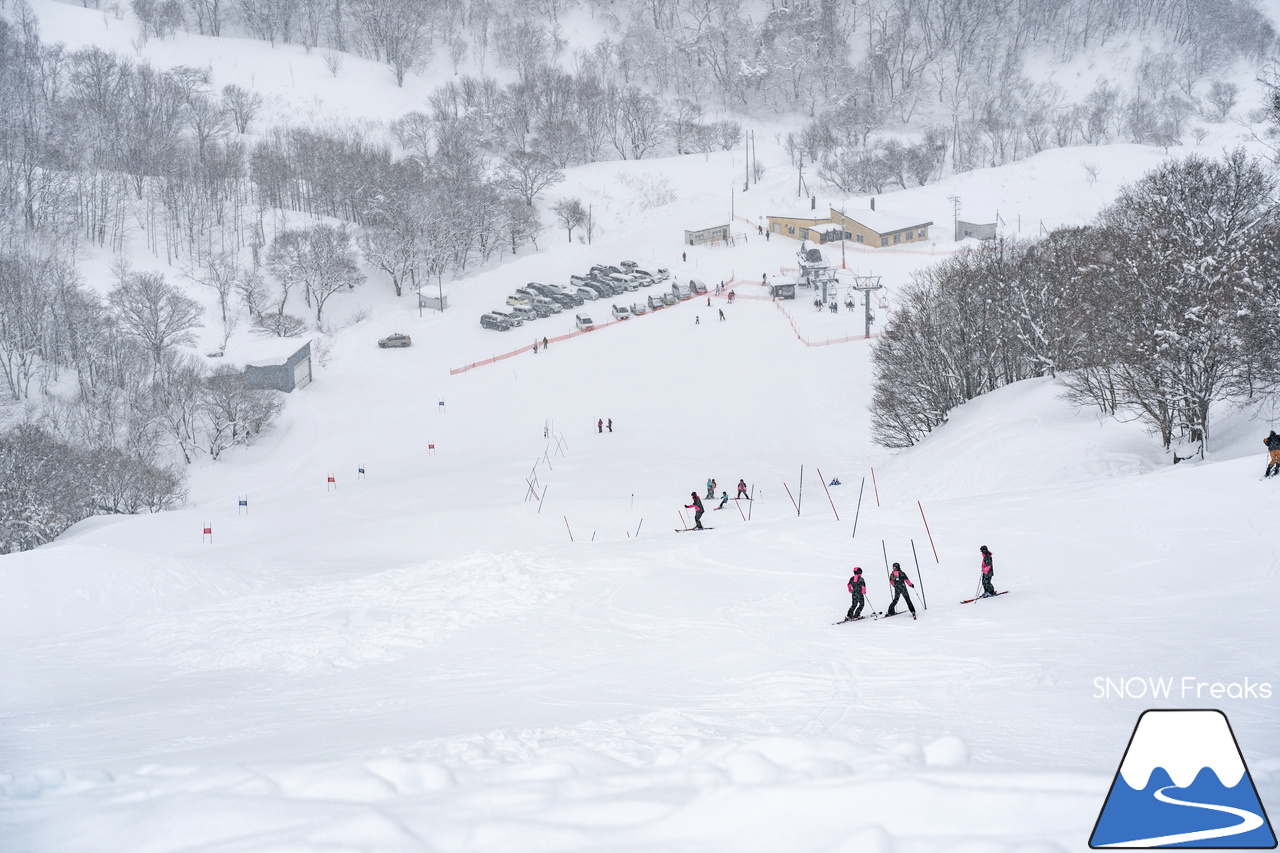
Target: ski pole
858,511
919,575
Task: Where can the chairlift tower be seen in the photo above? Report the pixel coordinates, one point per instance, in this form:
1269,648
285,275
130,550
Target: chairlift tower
865,284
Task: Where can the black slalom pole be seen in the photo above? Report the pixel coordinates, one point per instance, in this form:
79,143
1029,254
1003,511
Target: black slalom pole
919,576
858,511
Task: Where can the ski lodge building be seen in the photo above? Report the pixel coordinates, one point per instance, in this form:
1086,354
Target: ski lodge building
868,227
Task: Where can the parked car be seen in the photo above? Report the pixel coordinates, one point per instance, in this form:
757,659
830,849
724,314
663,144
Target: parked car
639,308
657,301
517,299
555,307
605,287
643,276
524,312
509,316
628,266
493,321
669,298
623,313
396,340
570,293
697,285
681,291
661,274
598,289
582,321
585,292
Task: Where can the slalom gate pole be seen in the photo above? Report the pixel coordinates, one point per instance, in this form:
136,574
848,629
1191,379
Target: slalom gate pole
926,530
683,523
752,499
887,573
738,504
543,498
567,527
793,500
919,575
828,491
800,491
874,486
638,526
858,511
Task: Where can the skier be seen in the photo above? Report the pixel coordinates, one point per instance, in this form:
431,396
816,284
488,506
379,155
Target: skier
988,572
697,321
742,490
544,343
711,489
1273,444
600,425
900,583
696,506
708,301
610,425
858,587
724,499
721,313
535,347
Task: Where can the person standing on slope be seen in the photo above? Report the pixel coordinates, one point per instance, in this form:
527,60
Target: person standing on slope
711,488
988,573
742,490
1273,444
858,588
900,582
696,506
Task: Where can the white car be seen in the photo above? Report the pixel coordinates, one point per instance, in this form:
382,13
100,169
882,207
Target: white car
622,313
582,321
639,308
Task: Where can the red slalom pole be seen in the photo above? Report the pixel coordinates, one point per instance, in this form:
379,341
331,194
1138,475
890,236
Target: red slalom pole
566,527
874,487
793,500
926,530
828,491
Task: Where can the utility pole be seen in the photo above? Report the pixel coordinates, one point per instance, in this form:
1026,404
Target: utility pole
955,216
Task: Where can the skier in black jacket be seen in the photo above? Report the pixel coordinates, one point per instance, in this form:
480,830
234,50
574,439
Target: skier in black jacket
696,506
1273,444
858,588
988,572
900,582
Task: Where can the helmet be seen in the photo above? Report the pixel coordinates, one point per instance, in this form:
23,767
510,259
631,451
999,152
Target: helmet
857,571
983,549
896,566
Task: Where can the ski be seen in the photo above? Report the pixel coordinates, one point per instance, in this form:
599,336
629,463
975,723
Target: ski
685,529
857,619
899,613
979,598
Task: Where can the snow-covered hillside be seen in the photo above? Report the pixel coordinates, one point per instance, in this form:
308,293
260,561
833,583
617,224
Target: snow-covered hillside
494,639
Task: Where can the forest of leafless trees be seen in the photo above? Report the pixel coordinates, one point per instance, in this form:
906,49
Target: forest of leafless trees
1167,305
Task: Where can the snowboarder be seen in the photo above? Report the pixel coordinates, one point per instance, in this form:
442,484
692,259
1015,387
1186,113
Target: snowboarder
900,582
858,588
988,572
610,425
724,499
600,425
1273,444
711,488
696,506
742,490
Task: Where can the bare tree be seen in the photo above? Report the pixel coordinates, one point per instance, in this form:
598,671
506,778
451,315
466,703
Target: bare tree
527,174
155,313
570,214
241,104
320,259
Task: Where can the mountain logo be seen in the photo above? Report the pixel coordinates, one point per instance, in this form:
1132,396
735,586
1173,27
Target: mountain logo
1183,783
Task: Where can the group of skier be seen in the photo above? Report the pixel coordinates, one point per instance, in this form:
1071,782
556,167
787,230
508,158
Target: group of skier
698,508
898,579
